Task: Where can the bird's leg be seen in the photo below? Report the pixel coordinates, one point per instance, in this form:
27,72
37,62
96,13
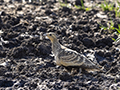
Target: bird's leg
65,70
74,71
80,71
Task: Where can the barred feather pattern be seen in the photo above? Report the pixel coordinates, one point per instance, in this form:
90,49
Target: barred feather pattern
68,57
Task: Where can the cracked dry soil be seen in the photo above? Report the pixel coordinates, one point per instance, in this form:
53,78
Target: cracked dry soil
26,61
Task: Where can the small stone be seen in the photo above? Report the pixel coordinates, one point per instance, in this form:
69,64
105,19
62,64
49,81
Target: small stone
88,42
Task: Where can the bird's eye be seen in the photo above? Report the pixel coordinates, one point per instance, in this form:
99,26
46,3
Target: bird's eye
50,34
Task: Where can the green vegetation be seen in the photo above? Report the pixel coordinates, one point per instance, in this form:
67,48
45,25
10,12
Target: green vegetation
110,26
116,40
82,7
112,29
64,4
110,7
117,10
118,29
106,6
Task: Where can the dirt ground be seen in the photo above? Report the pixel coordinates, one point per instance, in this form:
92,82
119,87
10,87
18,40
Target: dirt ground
26,61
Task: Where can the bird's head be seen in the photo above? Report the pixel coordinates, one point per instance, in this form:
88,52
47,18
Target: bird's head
52,36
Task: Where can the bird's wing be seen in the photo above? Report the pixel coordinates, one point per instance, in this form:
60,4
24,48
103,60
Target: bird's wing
70,57
89,65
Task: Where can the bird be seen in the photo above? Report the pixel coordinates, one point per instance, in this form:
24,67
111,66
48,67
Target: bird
67,57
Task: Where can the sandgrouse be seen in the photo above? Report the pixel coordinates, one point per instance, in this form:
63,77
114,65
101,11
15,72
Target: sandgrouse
68,57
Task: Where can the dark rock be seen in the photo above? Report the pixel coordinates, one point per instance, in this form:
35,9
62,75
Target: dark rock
0,20
103,42
100,53
114,69
77,2
104,62
2,13
48,12
6,83
88,42
8,74
92,87
2,70
66,9
107,54
19,8
18,52
2,53
42,29
43,49
65,76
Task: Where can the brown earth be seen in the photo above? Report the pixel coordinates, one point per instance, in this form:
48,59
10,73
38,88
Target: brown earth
25,55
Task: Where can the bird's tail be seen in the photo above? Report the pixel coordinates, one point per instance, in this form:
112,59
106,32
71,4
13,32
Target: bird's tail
101,69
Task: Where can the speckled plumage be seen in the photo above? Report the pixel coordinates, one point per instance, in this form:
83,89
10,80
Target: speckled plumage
68,57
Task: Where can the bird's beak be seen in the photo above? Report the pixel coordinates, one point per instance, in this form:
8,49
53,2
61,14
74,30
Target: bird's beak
45,35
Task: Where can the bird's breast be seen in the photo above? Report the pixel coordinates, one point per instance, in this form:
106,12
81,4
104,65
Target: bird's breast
57,61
